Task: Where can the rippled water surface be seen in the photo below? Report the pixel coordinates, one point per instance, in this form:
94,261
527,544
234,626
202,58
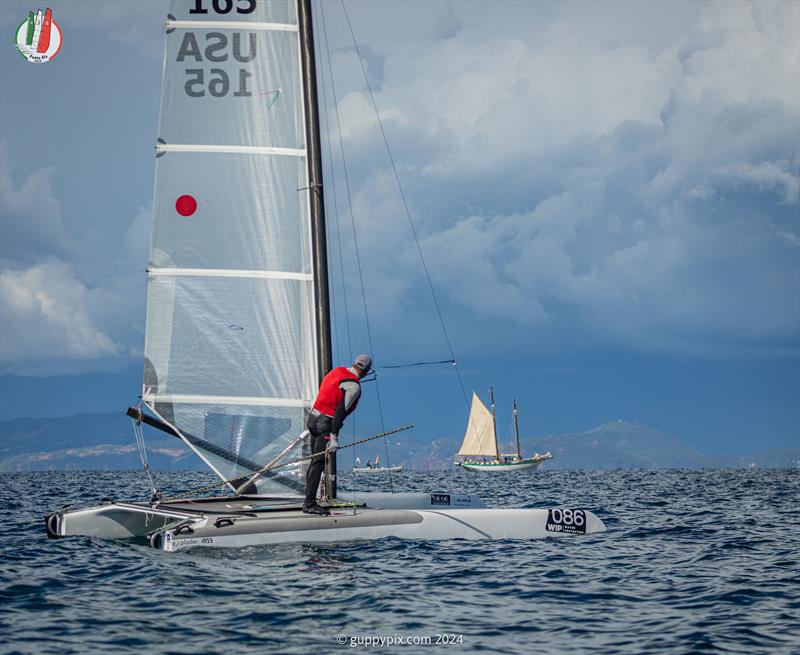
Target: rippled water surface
694,561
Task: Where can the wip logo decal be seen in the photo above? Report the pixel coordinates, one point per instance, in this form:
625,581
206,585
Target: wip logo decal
38,38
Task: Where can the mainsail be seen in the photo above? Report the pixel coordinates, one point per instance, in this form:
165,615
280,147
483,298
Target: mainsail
231,343
479,439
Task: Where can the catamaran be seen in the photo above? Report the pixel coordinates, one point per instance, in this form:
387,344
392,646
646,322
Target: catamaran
238,330
480,441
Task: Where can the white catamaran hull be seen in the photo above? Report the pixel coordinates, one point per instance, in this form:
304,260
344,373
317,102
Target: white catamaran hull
225,523
368,524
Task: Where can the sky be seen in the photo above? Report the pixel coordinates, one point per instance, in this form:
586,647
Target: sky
607,195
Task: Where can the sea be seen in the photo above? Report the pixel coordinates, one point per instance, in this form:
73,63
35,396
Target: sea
692,562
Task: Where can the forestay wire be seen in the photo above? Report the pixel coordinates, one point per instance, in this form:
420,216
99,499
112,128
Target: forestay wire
452,360
140,444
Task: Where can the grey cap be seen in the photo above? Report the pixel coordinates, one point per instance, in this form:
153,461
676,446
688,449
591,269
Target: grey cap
364,362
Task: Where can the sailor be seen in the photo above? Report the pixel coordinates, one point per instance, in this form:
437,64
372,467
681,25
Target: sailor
369,463
337,399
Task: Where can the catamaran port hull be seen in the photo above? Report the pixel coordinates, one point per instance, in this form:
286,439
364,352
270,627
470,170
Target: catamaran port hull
123,520
235,523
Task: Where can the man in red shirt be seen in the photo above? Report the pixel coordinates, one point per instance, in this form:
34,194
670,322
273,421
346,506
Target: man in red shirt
337,399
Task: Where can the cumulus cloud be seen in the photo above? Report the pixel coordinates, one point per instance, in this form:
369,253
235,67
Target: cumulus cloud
46,315
31,225
448,24
627,168
766,175
62,307
647,188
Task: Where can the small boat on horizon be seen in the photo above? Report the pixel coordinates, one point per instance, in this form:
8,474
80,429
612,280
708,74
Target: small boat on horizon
480,441
376,467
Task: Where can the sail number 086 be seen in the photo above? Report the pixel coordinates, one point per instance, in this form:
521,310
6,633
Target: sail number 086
568,517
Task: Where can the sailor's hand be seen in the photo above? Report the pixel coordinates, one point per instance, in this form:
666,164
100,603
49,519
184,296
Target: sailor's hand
333,444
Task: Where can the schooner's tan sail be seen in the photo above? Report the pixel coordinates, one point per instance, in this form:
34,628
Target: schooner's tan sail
479,440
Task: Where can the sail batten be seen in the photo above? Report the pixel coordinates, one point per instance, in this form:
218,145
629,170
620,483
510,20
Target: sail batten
227,272
231,24
226,400
230,149
479,438
230,343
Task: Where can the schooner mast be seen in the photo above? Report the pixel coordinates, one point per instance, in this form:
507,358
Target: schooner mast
494,425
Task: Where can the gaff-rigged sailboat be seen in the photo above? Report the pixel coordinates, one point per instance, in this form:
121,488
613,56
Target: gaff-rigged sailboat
479,448
238,325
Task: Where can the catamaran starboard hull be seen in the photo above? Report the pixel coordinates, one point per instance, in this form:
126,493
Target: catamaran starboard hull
369,524
232,523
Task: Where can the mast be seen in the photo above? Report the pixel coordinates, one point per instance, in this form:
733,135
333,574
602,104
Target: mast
516,429
494,423
317,208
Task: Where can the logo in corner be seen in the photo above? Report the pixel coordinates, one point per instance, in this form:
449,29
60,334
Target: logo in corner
38,37
440,499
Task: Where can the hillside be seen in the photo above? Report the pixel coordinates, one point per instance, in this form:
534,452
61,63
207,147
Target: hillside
106,442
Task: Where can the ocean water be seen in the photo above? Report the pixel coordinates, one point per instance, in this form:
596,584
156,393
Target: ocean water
693,561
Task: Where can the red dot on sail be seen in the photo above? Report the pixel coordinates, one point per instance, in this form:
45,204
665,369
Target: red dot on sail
186,205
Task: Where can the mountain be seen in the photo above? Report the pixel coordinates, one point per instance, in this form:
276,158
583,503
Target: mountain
438,455
783,458
86,442
106,442
612,445
619,444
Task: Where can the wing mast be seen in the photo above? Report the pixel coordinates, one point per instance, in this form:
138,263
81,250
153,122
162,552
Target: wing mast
318,237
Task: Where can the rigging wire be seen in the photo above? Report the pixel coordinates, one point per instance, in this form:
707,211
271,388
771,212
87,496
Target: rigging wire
405,205
407,210
138,433
353,227
452,362
335,205
332,195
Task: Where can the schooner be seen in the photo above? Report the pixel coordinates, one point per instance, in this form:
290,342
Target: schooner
479,448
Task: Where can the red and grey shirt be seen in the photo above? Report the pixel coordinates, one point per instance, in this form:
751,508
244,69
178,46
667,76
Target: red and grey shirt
338,395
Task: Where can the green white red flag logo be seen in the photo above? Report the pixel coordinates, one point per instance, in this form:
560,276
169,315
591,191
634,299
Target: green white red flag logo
38,37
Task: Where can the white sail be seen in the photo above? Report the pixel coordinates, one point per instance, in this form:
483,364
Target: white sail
479,439
230,339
